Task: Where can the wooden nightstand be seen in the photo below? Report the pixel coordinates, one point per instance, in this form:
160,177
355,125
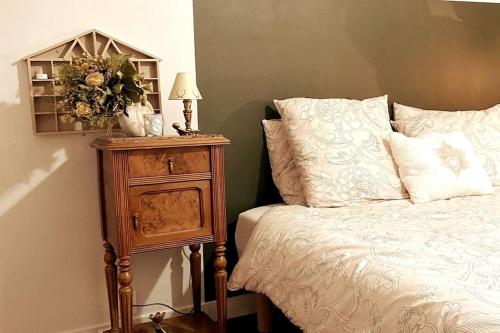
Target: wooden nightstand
158,193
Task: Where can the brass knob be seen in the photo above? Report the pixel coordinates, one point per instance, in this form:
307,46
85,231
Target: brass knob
170,164
135,221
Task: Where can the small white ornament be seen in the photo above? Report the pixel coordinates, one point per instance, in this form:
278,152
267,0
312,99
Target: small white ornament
133,125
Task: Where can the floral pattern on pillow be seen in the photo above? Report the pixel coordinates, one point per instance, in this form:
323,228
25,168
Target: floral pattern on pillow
285,175
341,150
482,128
438,166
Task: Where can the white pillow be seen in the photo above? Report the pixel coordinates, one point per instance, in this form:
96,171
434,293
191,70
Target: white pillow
341,151
482,128
284,172
439,166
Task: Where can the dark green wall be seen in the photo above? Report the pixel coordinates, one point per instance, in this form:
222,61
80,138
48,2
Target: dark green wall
431,54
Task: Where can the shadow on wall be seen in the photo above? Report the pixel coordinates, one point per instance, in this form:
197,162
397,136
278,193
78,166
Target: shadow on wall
439,55
50,246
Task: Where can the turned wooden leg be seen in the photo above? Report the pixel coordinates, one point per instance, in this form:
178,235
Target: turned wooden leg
264,314
125,279
221,285
112,286
195,260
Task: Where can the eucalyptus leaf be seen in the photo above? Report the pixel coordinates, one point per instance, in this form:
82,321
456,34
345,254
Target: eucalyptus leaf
83,87
102,100
130,84
128,68
117,88
133,95
144,99
148,87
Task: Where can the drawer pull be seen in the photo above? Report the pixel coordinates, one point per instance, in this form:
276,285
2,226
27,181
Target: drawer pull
135,221
170,164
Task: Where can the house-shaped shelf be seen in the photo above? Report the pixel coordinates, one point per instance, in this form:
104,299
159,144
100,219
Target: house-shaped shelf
45,110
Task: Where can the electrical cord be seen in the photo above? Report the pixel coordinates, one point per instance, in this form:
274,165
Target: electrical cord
165,305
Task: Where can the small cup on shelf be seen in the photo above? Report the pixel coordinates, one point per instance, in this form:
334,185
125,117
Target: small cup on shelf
41,76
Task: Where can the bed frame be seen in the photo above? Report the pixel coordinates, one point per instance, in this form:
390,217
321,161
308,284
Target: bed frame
264,314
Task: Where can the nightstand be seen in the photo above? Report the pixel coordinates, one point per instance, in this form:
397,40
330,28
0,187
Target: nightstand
159,193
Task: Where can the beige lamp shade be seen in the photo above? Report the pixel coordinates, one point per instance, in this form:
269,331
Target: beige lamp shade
184,87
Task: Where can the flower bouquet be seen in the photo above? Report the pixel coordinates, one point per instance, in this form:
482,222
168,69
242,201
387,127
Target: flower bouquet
96,91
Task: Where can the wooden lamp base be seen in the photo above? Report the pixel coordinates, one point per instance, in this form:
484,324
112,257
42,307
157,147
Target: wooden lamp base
187,116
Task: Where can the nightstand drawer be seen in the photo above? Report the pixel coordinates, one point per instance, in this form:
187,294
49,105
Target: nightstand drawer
168,212
168,161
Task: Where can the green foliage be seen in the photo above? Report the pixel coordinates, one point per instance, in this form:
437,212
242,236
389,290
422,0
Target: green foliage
95,89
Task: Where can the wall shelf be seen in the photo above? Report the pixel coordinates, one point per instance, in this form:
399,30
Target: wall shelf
46,114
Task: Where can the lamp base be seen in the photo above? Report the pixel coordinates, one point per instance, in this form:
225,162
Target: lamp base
185,132
188,131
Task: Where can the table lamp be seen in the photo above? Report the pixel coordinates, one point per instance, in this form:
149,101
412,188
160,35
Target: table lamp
185,89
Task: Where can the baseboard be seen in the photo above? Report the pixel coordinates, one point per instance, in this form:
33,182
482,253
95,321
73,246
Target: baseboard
236,307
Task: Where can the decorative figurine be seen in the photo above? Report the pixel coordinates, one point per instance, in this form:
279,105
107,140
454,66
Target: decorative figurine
157,318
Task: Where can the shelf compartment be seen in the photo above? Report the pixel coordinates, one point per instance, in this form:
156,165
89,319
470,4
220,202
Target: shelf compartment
148,69
42,88
44,104
41,67
58,90
65,127
59,107
154,99
56,68
155,84
45,123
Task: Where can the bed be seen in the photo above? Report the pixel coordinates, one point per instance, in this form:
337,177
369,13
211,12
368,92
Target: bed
388,266
402,230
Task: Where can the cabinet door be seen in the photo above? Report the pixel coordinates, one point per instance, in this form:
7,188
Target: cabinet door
170,212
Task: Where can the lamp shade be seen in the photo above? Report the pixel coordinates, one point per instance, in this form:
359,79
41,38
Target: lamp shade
184,87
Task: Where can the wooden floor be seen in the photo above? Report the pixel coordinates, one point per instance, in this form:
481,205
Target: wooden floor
202,324
248,324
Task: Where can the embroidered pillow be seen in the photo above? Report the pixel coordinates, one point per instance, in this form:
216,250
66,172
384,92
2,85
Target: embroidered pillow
482,128
285,175
340,149
439,166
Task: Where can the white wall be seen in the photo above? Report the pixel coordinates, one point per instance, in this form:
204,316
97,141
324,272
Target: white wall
51,267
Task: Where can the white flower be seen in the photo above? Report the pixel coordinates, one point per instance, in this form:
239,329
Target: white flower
83,110
94,79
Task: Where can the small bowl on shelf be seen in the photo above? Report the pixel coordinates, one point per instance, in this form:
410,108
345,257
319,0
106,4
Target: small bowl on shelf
41,76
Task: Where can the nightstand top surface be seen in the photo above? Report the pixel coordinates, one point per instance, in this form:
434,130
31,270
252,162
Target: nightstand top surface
128,143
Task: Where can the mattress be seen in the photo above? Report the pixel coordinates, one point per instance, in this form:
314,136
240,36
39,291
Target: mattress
246,224
386,267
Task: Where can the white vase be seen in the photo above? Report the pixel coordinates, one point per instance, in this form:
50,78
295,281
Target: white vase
133,124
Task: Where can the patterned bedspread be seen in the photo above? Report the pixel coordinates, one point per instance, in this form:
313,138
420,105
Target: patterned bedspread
381,267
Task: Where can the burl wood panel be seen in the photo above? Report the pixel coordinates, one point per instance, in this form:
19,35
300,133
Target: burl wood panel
170,161
171,211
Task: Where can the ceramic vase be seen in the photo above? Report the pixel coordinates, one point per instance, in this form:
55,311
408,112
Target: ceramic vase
133,124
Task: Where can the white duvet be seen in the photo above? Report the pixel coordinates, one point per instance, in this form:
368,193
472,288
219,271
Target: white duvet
380,268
